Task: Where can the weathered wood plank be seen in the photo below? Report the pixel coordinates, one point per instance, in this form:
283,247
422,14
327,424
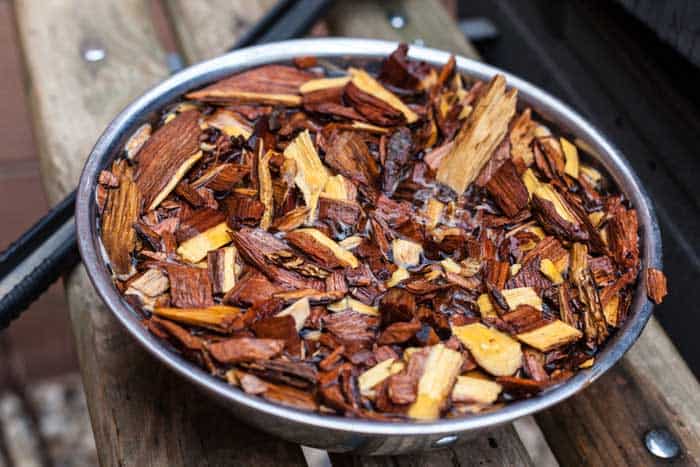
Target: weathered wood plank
142,414
425,21
429,22
499,448
605,425
675,22
206,29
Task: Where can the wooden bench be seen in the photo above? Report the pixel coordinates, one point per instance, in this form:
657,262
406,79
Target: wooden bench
141,413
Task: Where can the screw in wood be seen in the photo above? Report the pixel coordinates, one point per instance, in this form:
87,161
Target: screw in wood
396,20
661,443
92,51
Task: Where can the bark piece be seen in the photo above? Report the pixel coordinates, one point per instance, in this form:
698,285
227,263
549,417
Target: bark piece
279,327
508,189
243,210
656,285
166,157
321,248
338,212
398,333
623,237
556,215
348,155
398,153
293,219
216,316
259,248
364,82
397,305
222,177
189,286
120,213
223,270
245,349
198,222
594,324
269,84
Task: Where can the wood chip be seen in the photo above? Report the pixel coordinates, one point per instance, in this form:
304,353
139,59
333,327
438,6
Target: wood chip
656,285
482,132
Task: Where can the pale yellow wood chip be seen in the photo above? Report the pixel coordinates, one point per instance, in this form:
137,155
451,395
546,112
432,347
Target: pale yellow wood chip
550,336
478,390
299,310
378,373
311,175
571,166
349,303
482,131
494,351
195,249
323,83
441,370
406,253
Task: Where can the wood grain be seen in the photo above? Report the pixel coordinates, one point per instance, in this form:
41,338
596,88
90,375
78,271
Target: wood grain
675,22
141,413
605,424
426,21
206,29
499,448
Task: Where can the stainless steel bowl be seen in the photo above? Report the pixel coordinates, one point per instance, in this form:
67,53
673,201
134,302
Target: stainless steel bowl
331,432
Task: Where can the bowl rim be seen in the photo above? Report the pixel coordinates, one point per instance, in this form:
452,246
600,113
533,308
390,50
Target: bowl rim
140,110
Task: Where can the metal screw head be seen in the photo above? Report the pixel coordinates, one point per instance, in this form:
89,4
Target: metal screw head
94,55
445,441
396,20
661,443
93,51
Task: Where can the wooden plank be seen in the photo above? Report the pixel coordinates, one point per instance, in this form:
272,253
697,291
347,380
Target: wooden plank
425,21
206,29
428,21
605,424
675,22
499,448
142,414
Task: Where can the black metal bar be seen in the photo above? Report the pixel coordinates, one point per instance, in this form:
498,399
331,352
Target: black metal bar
37,233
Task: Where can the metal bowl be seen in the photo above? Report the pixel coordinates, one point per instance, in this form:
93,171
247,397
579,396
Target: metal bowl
331,432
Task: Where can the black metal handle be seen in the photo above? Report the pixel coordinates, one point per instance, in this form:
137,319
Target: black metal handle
40,269
36,234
